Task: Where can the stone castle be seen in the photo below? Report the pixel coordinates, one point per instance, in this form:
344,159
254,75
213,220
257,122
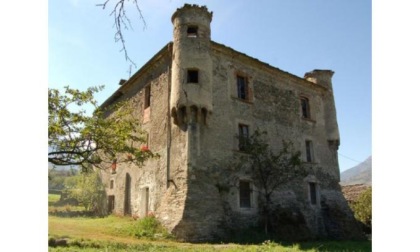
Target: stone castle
193,98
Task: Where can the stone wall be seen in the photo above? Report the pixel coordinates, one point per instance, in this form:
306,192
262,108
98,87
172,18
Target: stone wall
192,187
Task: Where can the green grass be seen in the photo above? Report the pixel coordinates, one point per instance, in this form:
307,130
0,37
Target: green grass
113,233
53,198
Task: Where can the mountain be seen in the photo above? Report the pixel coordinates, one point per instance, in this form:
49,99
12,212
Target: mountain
360,174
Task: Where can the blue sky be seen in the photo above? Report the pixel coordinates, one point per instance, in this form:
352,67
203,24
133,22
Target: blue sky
295,36
60,42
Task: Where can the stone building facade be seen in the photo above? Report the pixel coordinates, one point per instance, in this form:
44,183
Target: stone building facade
193,98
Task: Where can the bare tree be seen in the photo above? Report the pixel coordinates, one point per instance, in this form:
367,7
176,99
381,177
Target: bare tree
122,22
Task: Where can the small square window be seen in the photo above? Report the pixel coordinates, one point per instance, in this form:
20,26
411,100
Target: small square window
245,193
242,87
192,76
192,31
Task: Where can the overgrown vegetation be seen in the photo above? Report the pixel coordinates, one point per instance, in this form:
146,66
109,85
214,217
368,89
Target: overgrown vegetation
87,189
362,209
148,227
268,170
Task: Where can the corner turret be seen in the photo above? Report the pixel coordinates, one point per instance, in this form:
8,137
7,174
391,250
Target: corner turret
191,92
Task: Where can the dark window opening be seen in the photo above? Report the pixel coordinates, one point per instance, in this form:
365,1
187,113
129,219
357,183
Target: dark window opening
243,136
204,116
312,193
192,76
111,203
192,31
245,194
146,210
304,102
111,184
242,86
127,195
147,97
309,151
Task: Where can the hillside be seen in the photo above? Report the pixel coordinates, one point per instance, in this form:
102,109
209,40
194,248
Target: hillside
360,174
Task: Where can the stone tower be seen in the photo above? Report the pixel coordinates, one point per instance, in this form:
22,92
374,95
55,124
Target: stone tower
191,91
323,78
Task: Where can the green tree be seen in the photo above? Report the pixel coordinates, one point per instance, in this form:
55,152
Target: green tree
269,170
81,139
88,190
362,208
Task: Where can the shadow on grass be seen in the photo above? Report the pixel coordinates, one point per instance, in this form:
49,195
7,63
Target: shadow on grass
257,236
73,213
69,208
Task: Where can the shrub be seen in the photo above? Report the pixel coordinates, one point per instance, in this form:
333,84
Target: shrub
362,209
148,227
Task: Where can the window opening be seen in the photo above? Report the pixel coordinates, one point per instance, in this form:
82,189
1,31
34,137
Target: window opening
192,31
192,76
242,86
243,136
304,102
309,151
147,97
111,203
312,193
204,115
245,194
111,184
127,196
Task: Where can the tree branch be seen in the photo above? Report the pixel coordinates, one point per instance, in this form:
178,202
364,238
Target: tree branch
121,21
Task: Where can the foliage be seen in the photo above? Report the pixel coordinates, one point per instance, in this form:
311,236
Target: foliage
269,170
148,227
56,178
362,208
53,198
88,190
78,138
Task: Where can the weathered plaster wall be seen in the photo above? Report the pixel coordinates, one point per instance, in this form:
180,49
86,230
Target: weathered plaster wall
274,107
186,184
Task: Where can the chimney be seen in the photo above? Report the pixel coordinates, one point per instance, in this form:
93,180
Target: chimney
320,77
122,81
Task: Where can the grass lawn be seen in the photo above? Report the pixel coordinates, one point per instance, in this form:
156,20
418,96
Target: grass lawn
110,234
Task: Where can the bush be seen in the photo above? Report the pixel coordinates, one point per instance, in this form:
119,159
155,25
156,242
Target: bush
148,227
362,209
